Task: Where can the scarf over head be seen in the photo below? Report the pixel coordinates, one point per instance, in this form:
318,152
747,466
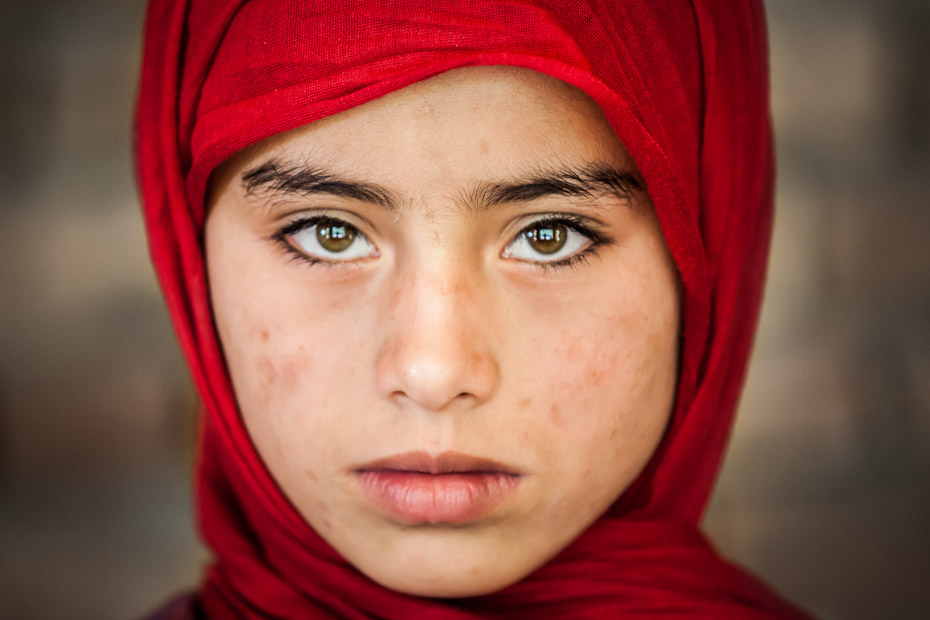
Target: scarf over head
683,83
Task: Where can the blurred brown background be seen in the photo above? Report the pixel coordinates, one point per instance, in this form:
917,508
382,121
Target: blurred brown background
826,489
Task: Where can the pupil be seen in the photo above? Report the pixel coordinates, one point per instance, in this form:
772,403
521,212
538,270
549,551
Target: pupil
335,237
547,239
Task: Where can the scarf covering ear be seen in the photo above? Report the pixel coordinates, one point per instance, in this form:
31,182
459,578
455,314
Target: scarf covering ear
683,83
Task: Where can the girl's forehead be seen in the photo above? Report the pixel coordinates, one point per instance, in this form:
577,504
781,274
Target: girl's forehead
463,125
470,138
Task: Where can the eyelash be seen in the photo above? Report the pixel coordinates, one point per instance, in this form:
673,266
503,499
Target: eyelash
579,225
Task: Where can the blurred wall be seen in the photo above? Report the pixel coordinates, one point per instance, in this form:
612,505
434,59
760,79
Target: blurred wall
96,411
826,489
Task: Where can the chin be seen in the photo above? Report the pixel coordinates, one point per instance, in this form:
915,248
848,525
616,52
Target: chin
449,573
454,584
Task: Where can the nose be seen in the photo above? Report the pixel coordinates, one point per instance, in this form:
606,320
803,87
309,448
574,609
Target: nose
437,354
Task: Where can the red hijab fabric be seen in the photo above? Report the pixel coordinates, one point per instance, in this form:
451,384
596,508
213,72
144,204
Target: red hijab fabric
683,83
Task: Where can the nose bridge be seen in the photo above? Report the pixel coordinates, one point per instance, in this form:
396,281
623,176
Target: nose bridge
438,292
437,351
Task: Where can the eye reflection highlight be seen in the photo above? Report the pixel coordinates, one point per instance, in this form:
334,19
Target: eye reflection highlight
547,239
335,237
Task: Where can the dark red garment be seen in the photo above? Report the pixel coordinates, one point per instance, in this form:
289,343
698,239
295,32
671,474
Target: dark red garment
684,85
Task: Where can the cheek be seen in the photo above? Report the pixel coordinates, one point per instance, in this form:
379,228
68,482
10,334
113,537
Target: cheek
295,406
290,373
610,382
296,370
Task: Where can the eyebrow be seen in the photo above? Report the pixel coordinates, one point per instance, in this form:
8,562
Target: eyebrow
591,181
280,178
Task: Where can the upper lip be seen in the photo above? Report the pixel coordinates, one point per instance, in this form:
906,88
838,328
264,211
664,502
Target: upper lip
443,463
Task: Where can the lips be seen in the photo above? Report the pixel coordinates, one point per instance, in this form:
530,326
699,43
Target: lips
451,488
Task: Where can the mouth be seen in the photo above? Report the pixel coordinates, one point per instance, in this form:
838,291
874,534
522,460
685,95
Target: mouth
450,488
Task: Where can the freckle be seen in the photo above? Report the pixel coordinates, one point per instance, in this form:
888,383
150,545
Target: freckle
264,335
266,371
525,403
290,369
555,414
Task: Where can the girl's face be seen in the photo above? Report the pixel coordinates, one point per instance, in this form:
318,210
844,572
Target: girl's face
451,323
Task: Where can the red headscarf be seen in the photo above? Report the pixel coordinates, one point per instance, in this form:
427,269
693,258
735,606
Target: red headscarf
683,83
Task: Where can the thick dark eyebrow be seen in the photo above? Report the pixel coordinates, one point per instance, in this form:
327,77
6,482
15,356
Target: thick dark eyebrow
590,181
280,178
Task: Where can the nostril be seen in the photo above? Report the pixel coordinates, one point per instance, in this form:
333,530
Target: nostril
434,391
432,363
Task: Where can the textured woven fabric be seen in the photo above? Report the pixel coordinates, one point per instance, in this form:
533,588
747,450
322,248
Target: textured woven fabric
682,82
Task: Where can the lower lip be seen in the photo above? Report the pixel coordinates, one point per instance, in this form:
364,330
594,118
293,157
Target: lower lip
453,498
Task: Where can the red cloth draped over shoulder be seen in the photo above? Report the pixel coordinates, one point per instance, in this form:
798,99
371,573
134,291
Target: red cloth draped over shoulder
683,83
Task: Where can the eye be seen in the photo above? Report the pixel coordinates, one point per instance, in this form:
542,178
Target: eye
551,240
326,238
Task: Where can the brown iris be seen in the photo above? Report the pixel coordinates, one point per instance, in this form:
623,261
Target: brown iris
547,238
335,236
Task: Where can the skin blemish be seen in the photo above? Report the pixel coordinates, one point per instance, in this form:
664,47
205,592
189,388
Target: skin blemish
291,367
266,372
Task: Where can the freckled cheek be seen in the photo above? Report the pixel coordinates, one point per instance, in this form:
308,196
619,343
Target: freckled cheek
297,404
605,395
292,375
571,404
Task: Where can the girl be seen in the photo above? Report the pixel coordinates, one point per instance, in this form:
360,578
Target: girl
467,289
